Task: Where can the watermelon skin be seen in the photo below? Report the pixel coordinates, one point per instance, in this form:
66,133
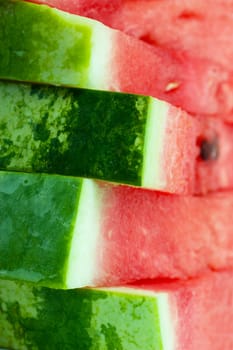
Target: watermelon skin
41,318
196,314
100,234
64,62
73,132
122,138
121,63
192,73
41,213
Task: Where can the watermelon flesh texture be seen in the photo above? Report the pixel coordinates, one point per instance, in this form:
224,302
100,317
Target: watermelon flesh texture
122,138
194,75
103,58
200,28
99,234
197,314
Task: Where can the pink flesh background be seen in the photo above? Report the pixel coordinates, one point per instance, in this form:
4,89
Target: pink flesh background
201,28
202,86
147,234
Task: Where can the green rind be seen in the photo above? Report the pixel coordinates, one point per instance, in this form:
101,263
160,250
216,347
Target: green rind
41,44
68,131
40,318
37,220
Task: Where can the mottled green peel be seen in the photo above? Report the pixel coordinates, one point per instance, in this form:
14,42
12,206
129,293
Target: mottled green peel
38,214
41,44
78,132
33,318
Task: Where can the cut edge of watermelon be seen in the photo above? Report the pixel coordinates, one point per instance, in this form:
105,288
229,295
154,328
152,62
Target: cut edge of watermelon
82,259
152,172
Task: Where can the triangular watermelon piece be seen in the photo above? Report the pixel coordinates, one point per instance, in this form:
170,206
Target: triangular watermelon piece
36,46
196,35
196,27
66,232
123,138
192,315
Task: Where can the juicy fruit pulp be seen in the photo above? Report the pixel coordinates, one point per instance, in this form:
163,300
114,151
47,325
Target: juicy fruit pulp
120,62
123,138
79,239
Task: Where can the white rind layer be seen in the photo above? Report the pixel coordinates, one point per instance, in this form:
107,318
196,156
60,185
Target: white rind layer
152,175
167,313
167,319
101,57
81,268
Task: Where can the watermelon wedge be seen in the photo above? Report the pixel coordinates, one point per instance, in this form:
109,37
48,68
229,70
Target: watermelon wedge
192,315
195,26
102,58
122,138
66,232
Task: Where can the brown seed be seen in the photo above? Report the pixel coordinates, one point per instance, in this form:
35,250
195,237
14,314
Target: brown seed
209,149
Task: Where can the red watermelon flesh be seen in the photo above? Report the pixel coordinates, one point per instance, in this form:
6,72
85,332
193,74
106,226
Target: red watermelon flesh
199,312
147,234
202,28
97,9
185,80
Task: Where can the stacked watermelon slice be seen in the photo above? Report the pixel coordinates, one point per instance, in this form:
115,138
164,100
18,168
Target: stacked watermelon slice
116,181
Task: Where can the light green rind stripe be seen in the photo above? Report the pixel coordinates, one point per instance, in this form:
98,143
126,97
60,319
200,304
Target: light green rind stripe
82,265
168,321
152,174
36,318
43,44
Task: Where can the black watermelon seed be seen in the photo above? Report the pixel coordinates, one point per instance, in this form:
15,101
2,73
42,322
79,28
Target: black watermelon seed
209,149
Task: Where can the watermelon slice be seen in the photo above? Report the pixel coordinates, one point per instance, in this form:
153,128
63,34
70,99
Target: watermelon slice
192,315
102,58
195,26
116,137
97,234
191,45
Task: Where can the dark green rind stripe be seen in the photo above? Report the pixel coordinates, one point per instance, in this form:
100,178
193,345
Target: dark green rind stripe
37,216
39,318
69,131
38,43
